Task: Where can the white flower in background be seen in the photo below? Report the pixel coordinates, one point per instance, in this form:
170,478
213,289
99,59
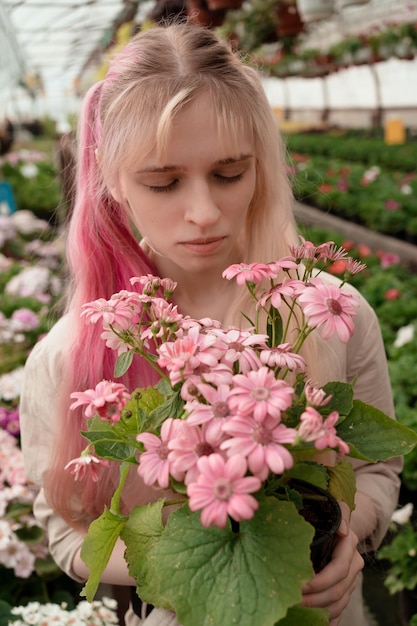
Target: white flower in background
371,174
402,516
5,534
29,282
98,613
48,253
27,223
407,190
11,384
29,170
5,262
405,334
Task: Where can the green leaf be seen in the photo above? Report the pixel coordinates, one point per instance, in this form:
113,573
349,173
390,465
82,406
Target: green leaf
16,509
341,400
311,472
107,441
342,483
47,567
298,615
30,534
135,413
98,546
6,616
212,576
141,533
124,361
172,407
374,436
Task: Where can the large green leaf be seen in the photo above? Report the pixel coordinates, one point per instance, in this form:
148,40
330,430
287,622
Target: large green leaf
302,616
98,546
140,534
342,483
341,400
212,576
374,436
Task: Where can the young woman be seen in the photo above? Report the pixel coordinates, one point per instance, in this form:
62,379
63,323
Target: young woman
181,172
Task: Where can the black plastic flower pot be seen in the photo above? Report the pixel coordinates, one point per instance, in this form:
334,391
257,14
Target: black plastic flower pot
323,512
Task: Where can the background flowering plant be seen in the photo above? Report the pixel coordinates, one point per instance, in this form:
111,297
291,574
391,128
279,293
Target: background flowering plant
232,421
98,613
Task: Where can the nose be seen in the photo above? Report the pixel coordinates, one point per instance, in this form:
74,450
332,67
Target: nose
201,206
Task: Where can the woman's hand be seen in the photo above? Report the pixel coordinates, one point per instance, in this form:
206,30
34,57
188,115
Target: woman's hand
331,588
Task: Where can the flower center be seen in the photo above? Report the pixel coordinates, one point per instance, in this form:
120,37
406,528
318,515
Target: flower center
261,435
334,306
220,409
222,489
235,345
260,394
201,369
163,451
203,449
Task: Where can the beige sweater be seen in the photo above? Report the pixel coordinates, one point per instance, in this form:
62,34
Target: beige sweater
363,357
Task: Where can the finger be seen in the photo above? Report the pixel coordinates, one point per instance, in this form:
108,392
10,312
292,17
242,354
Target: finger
343,529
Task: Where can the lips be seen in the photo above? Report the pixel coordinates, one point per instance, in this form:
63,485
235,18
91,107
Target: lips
204,245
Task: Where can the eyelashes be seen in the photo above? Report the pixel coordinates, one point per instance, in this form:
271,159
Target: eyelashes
227,180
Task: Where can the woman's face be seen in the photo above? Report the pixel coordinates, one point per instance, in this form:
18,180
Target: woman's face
191,205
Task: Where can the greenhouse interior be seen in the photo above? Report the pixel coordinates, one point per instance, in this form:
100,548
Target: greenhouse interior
340,78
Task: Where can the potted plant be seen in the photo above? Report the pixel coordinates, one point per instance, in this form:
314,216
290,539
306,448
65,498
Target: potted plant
401,555
258,528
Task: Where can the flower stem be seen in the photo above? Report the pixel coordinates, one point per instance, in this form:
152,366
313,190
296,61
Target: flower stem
115,501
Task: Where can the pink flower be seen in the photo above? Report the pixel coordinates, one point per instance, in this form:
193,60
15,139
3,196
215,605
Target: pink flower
316,396
276,293
260,394
164,314
388,258
182,356
240,348
260,444
249,273
222,489
392,294
154,465
392,205
322,432
107,400
151,285
307,250
119,311
220,374
25,319
281,356
330,308
86,464
214,413
190,444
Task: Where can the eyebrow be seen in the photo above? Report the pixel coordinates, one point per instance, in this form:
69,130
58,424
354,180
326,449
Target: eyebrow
174,168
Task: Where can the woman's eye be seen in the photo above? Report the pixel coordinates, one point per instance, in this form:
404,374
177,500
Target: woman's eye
163,188
228,179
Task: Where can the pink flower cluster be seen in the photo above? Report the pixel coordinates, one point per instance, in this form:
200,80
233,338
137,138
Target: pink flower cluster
235,429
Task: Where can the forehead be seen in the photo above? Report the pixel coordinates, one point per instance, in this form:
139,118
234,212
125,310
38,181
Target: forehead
200,126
